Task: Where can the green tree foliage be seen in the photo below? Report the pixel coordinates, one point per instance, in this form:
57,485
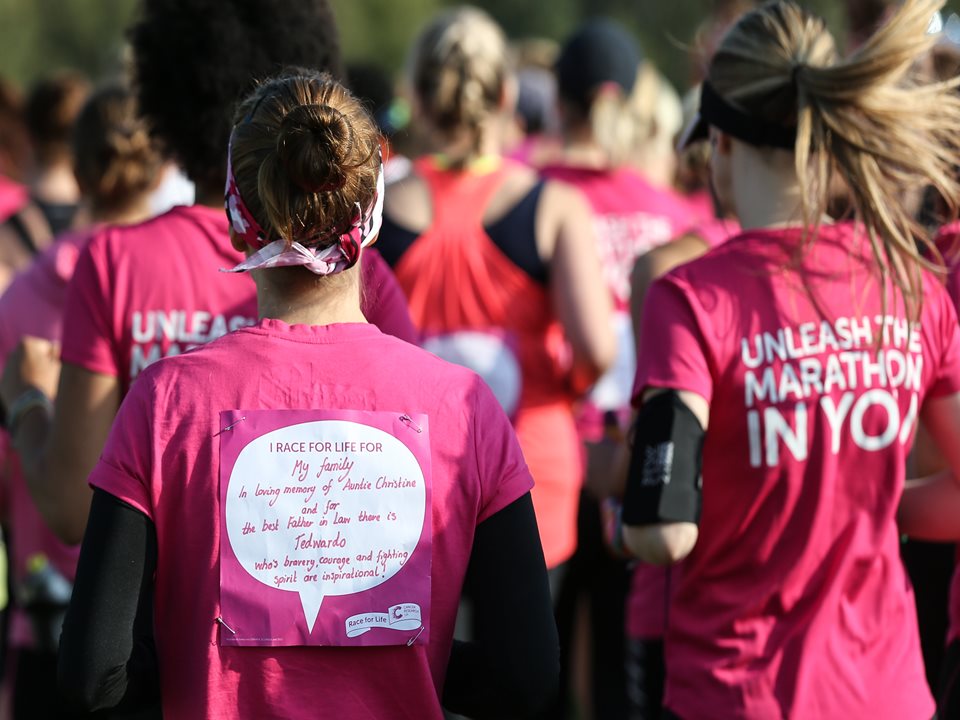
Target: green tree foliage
37,36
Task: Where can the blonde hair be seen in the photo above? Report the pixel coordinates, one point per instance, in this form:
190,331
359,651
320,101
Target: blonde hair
458,67
115,159
613,126
305,152
639,126
867,117
657,114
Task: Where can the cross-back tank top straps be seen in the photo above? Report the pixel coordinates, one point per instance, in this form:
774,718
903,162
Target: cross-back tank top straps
455,276
459,198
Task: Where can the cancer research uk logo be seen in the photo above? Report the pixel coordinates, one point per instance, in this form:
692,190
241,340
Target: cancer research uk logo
405,616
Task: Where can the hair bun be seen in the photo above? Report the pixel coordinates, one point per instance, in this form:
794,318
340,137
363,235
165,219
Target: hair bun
313,146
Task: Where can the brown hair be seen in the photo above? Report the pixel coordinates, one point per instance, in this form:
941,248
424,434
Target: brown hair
115,160
51,109
458,67
305,152
867,117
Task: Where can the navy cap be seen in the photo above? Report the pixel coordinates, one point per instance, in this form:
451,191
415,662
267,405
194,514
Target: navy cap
601,51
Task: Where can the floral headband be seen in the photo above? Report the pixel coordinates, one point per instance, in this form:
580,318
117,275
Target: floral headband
332,259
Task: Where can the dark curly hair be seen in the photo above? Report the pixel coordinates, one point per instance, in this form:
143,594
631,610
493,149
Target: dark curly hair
194,59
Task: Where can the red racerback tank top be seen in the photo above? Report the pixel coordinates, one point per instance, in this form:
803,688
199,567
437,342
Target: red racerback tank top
475,307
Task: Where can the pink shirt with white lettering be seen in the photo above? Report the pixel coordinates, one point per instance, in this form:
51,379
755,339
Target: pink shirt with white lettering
33,305
794,602
147,291
631,216
163,459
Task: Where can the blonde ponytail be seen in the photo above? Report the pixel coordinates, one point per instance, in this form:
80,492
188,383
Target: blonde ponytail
612,124
458,68
867,117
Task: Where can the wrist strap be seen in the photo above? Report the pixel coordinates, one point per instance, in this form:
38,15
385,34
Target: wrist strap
25,403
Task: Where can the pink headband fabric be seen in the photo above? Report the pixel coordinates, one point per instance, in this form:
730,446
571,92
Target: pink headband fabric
332,259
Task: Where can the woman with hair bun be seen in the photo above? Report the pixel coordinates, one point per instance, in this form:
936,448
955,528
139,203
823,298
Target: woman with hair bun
500,268
782,376
331,589
117,166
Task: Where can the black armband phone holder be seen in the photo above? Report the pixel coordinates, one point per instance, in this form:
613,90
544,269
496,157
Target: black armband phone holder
664,482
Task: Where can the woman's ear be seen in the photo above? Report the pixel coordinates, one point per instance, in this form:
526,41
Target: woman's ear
722,143
237,242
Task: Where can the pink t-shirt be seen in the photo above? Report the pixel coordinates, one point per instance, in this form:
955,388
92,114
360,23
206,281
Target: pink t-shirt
162,458
33,305
142,292
794,602
948,243
13,196
716,231
631,216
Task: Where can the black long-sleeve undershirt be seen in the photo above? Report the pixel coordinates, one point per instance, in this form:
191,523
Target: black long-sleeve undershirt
108,657
107,653
511,668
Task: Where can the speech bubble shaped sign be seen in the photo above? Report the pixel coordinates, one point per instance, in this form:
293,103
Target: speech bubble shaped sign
324,508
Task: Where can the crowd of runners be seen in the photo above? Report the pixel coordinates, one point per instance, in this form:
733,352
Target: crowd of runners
513,385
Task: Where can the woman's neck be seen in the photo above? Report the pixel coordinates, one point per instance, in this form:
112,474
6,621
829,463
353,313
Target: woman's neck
309,302
581,150
766,191
129,214
464,148
211,197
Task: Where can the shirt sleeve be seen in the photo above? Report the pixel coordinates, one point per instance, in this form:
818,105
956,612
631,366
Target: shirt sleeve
87,323
125,469
384,303
672,350
502,471
946,381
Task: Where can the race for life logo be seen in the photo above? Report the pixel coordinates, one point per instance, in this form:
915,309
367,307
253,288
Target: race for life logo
406,616
855,371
